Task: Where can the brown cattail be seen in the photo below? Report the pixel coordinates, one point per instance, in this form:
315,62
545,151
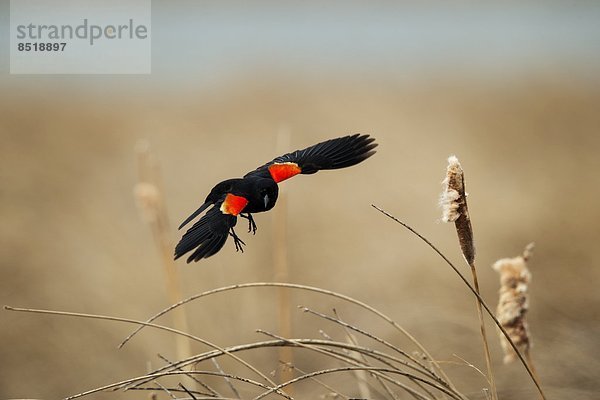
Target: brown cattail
454,205
454,208
514,302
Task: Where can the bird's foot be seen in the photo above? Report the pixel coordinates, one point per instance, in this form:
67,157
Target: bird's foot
251,223
237,241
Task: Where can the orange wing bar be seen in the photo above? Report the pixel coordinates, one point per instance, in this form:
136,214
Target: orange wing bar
233,204
283,171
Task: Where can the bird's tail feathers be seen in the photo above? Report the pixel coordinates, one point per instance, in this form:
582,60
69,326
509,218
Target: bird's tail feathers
195,214
207,236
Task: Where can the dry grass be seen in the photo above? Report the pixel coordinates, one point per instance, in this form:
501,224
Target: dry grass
393,369
72,239
414,373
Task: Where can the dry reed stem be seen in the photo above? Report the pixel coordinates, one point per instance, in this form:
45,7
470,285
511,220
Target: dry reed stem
531,373
213,392
486,347
333,392
343,369
324,345
423,369
419,367
307,288
180,389
315,345
274,390
514,302
141,323
357,363
361,376
455,209
280,264
344,357
150,200
468,364
227,380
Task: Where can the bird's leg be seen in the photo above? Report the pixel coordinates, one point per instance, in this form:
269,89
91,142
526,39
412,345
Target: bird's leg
237,241
251,223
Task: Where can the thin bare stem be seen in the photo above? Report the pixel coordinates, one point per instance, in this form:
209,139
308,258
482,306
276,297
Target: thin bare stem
468,364
420,367
132,321
151,377
486,347
307,288
198,381
188,392
280,263
344,357
164,389
180,389
361,376
319,382
343,369
357,363
323,344
227,380
531,364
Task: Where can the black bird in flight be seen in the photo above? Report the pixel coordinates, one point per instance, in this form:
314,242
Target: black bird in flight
257,192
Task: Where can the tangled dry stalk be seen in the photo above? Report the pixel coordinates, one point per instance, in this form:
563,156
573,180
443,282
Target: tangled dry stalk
392,369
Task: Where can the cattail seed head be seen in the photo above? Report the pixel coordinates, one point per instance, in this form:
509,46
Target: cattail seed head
453,201
148,200
514,302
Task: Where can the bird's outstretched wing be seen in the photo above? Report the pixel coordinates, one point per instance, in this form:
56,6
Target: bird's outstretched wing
207,236
332,154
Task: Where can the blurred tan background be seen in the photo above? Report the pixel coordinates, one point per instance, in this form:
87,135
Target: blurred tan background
512,90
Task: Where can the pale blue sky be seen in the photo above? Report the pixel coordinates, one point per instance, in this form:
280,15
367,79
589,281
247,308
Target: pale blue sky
202,42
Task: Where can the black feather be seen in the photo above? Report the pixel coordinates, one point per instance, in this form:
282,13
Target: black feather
206,236
331,154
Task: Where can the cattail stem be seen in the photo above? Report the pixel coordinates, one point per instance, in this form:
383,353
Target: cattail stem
488,358
531,364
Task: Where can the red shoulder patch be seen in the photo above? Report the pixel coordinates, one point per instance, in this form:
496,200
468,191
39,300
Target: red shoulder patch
283,171
233,204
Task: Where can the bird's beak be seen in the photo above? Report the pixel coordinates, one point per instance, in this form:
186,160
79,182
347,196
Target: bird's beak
266,200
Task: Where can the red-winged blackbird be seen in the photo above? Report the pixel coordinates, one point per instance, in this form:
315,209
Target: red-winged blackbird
257,192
